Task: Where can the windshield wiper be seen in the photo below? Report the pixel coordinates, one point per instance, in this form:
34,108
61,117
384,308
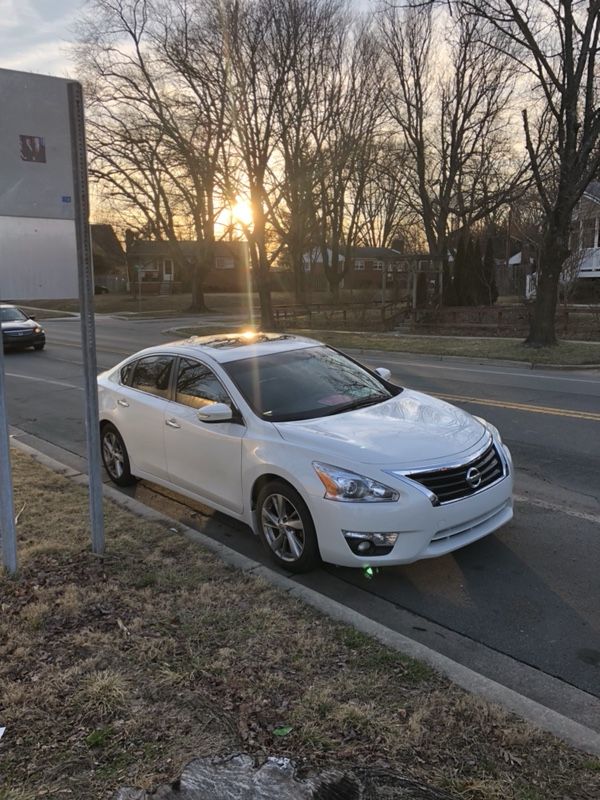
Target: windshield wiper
368,401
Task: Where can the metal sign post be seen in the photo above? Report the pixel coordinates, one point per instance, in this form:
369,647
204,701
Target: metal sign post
86,300
8,531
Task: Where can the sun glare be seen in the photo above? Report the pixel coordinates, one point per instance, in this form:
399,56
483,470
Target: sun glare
242,211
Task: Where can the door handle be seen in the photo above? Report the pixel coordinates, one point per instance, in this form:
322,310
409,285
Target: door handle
123,403
172,423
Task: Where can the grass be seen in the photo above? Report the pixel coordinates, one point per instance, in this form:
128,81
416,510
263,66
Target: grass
119,670
564,353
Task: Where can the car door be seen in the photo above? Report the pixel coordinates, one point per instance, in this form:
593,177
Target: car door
203,457
142,398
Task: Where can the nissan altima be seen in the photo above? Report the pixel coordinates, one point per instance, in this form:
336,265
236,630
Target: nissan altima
321,456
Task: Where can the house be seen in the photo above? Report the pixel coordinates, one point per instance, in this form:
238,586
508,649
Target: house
585,233
159,267
368,264
110,262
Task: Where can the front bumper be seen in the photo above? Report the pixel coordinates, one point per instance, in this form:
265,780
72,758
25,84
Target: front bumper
20,341
425,531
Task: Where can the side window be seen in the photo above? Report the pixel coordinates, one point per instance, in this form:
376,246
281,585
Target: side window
198,386
127,373
152,375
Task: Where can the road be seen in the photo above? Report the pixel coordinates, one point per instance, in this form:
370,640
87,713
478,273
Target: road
521,606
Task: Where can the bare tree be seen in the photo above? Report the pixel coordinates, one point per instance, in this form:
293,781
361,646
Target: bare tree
554,43
347,138
449,96
261,48
314,25
387,216
157,82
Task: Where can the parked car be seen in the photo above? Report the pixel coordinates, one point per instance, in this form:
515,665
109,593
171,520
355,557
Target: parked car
20,330
98,289
321,456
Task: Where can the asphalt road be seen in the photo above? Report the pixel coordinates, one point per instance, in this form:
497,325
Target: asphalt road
522,606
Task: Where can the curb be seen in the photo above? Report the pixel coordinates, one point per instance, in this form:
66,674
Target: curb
499,362
571,732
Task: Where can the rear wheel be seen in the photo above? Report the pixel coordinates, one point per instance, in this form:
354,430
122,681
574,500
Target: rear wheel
115,457
286,528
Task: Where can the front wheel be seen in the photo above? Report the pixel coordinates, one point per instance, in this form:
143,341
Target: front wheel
115,457
39,346
286,528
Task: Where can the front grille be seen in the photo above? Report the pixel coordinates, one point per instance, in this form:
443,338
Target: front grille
451,483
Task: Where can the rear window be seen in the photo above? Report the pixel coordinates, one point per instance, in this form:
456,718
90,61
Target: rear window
152,375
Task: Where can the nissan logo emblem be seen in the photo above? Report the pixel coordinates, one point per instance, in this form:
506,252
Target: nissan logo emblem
473,477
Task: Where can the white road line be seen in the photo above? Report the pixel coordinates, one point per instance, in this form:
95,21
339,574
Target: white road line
595,518
44,380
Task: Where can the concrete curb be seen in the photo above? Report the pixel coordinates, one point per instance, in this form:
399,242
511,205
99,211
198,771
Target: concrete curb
571,732
499,362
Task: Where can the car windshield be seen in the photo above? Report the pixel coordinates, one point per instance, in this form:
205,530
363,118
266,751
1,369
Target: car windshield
302,384
12,315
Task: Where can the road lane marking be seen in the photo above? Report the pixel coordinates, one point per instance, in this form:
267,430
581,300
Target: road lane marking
43,380
558,412
595,518
526,373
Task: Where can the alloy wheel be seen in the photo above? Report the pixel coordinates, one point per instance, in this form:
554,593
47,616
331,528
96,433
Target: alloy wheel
114,457
283,527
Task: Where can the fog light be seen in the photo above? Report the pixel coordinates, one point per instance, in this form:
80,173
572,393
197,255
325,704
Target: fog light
365,543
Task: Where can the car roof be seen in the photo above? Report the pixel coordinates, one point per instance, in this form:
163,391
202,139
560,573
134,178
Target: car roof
229,347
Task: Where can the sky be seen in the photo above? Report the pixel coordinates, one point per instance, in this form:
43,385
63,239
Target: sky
35,35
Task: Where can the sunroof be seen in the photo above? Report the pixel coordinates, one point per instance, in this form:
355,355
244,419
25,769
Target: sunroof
238,340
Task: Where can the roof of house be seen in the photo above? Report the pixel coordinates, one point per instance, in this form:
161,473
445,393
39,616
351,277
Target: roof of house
144,248
106,244
357,252
374,252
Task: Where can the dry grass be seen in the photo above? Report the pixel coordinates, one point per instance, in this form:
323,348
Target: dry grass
564,353
119,670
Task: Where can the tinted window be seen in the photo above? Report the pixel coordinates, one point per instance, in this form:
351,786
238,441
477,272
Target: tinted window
198,386
12,315
152,375
127,373
300,384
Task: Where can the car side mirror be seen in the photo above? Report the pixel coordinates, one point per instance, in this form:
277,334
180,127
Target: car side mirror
215,412
384,373
32,317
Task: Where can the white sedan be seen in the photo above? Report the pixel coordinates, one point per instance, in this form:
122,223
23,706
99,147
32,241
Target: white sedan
322,457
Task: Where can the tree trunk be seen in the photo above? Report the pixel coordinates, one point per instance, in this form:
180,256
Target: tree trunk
542,328
299,287
198,303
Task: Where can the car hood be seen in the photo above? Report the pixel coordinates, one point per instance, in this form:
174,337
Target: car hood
406,431
19,325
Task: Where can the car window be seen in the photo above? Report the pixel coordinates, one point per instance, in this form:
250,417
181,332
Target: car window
152,375
301,384
126,373
9,314
198,386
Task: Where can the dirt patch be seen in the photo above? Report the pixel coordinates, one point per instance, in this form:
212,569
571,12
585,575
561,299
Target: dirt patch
119,670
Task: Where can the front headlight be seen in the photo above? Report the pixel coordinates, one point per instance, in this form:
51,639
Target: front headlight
37,330
341,484
491,428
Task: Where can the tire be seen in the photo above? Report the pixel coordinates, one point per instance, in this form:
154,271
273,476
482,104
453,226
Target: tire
39,346
293,548
115,457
